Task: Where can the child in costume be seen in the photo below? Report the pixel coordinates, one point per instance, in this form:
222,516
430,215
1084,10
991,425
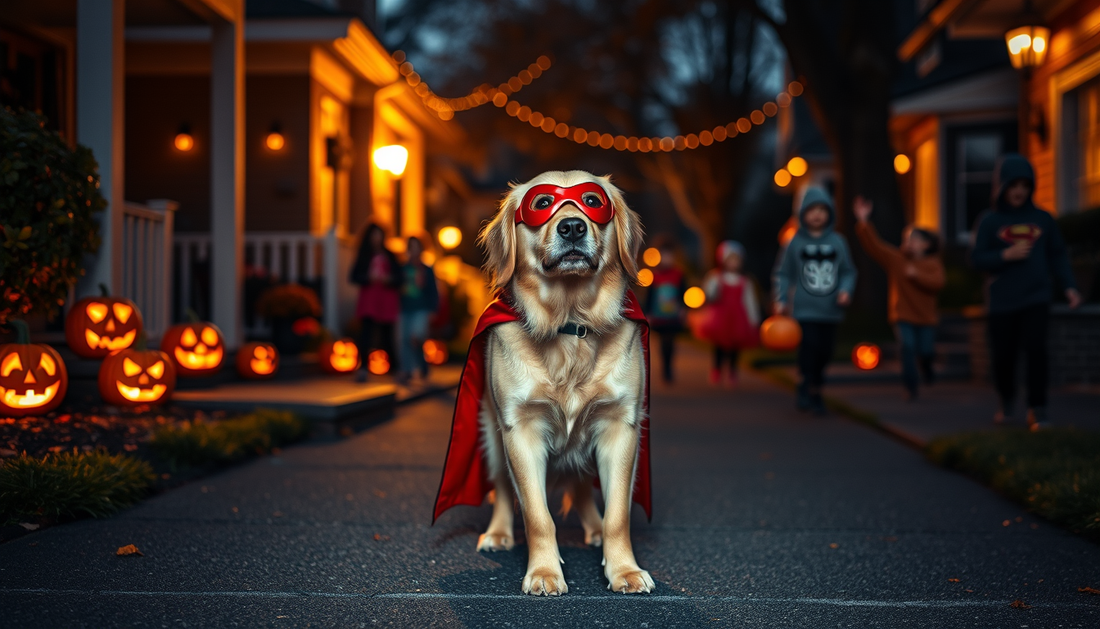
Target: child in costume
376,271
664,303
1020,248
915,274
813,282
419,299
733,315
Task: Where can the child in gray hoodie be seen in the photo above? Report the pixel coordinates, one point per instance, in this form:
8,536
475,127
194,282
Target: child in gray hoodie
813,282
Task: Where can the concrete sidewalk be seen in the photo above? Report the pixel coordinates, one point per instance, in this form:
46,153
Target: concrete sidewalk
762,517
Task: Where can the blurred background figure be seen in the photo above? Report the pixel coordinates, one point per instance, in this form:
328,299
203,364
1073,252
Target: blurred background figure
732,315
419,300
1020,247
664,303
916,276
376,271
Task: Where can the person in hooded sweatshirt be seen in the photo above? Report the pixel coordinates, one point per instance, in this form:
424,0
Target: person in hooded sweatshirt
1019,246
813,282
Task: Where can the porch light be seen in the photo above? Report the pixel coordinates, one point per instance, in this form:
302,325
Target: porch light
275,140
449,237
183,140
797,166
1027,45
392,158
902,164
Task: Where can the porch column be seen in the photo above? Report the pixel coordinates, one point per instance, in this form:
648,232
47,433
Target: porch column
227,176
100,125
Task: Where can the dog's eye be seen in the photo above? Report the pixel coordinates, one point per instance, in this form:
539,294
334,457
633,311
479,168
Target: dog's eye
592,199
542,202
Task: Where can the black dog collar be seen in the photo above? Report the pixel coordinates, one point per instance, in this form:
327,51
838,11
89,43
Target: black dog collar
579,331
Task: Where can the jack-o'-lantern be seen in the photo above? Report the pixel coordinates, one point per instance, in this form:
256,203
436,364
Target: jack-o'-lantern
97,326
339,356
435,352
866,356
137,376
378,362
257,360
780,333
196,347
33,379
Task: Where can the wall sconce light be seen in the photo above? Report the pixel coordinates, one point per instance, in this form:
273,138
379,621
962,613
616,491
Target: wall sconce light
275,140
392,158
1027,45
183,140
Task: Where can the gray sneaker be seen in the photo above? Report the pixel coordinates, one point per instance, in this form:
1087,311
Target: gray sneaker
1037,418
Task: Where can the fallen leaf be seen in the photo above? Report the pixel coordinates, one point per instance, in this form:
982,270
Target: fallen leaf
1088,590
277,514
1018,604
127,550
953,580
379,493
834,545
971,591
1006,522
29,526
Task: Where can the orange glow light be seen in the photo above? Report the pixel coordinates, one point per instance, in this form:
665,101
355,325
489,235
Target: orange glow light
378,362
782,178
797,166
184,142
645,277
275,141
435,352
790,228
651,257
694,297
902,164
450,237
866,356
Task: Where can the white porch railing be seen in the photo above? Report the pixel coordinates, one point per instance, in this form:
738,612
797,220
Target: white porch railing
146,263
298,257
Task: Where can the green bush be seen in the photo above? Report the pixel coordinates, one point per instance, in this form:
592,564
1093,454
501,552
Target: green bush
70,485
1054,473
48,194
199,442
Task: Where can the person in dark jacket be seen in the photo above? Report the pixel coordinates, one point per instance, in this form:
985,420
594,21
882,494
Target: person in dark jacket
1019,246
377,273
664,302
419,299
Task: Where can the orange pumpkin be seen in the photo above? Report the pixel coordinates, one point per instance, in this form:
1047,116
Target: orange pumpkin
378,362
137,376
339,356
33,379
866,356
780,333
196,348
435,352
97,326
256,361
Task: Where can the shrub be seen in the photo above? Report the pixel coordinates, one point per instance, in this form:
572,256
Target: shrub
48,194
70,485
288,301
198,443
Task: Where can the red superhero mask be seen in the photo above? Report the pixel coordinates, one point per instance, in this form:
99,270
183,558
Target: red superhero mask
544,200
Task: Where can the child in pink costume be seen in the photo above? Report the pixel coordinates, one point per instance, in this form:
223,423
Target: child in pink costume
734,315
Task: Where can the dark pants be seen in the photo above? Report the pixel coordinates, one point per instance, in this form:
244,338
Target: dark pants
1025,328
815,352
721,355
375,335
918,348
668,348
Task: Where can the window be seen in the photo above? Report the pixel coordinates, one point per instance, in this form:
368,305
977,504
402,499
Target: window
973,156
31,77
1081,148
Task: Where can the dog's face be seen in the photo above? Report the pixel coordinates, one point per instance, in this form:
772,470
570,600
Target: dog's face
599,239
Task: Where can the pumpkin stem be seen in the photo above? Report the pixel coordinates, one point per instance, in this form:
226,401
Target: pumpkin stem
104,291
22,332
142,342
192,316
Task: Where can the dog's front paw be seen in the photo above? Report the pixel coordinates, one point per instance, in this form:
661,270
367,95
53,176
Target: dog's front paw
545,582
493,542
630,580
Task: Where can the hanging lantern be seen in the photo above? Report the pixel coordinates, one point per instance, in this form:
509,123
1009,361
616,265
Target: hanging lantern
866,356
1027,45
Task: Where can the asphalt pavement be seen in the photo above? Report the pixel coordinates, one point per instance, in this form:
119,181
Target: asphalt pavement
763,517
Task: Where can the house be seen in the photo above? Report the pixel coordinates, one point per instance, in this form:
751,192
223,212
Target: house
233,143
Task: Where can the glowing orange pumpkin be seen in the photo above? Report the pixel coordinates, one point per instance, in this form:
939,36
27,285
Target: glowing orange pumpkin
33,379
97,326
866,356
196,348
378,362
435,352
136,376
257,360
780,333
339,356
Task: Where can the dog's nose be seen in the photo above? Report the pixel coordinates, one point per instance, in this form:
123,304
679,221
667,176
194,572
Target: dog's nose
572,229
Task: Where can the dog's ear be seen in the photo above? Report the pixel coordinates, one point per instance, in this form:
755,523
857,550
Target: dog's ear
498,238
628,231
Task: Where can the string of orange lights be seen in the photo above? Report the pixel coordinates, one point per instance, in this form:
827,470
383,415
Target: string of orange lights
501,97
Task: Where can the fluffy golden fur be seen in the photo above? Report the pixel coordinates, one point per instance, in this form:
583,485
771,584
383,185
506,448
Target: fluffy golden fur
561,410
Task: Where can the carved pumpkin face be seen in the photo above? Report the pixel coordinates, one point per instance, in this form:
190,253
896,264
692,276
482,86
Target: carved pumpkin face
378,362
435,352
866,356
97,326
341,356
196,348
133,377
33,379
257,360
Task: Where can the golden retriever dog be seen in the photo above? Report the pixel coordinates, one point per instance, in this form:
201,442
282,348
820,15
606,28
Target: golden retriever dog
564,407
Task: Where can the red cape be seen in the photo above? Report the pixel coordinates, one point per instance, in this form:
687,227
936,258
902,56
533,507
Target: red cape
465,474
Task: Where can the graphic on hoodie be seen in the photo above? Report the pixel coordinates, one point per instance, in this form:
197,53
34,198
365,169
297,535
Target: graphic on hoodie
1012,234
819,268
